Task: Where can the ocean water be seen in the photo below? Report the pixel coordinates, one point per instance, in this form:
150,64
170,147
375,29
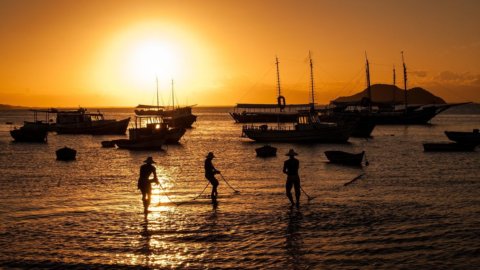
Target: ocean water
411,210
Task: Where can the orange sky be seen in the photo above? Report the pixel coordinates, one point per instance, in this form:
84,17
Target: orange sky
108,53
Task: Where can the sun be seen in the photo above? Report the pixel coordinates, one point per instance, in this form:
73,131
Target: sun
152,58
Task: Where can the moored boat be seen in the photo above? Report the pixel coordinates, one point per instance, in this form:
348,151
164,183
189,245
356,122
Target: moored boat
448,147
30,132
82,122
308,129
345,158
266,151
66,154
464,137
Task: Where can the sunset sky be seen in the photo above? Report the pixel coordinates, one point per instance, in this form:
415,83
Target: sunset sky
109,53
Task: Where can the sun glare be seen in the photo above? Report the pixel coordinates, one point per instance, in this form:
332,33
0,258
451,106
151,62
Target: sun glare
153,58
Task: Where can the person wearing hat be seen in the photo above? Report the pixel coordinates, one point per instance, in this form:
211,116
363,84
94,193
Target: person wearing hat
210,172
290,168
145,183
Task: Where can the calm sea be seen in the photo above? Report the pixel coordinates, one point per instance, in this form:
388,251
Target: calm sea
411,210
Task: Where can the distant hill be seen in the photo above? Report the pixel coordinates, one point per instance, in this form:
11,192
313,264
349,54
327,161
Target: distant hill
11,107
384,93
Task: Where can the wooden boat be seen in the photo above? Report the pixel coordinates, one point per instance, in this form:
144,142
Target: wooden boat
30,132
448,147
266,151
268,113
108,144
308,129
145,144
174,117
345,158
180,117
472,137
36,131
66,154
82,122
388,114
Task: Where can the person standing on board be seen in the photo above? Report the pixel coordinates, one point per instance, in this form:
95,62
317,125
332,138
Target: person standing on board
210,172
290,168
145,183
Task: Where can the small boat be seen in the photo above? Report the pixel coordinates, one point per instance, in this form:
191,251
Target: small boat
266,151
472,137
66,154
448,147
153,144
30,132
108,144
345,158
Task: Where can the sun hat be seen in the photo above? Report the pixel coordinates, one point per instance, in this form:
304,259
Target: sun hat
291,153
149,160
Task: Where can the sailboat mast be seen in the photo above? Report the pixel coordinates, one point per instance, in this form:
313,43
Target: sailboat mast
278,77
311,80
394,84
369,90
158,103
173,97
405,82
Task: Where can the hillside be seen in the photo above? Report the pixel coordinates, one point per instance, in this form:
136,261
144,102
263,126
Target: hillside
384,93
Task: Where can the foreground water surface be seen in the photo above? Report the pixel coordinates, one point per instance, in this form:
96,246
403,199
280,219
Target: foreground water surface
411,209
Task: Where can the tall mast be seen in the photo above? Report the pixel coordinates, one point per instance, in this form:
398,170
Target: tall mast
278,77
173,97
405,82
369,90
311,80
158,103
394,84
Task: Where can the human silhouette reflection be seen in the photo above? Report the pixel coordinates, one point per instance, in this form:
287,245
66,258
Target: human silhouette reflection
293,239
146,238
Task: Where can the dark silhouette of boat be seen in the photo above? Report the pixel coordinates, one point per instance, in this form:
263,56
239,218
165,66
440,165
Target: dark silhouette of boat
108,144
464,137
180,117
308,129
66,154
33,131
448,147
30,132
174,117
268,113
266,151
345,158
390,114
82,122
150,133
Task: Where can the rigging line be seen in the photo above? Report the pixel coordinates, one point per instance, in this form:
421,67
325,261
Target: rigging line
184,202
257,82
236,191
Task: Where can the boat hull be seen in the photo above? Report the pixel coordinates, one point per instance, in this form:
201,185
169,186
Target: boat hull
264,117
321,134
266,151
66,154
464,137
448,147
101,127
31,132
345,158
139,145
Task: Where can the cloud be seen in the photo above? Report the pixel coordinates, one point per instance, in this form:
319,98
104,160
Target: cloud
466,78
420,74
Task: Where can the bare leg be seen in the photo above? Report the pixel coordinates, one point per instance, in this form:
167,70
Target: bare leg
288,189
296,185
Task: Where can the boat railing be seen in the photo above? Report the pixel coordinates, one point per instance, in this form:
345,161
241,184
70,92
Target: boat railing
266,127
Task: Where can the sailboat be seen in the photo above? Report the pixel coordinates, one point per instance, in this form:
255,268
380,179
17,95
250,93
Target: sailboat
307,129
180,117
390,115
268,113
